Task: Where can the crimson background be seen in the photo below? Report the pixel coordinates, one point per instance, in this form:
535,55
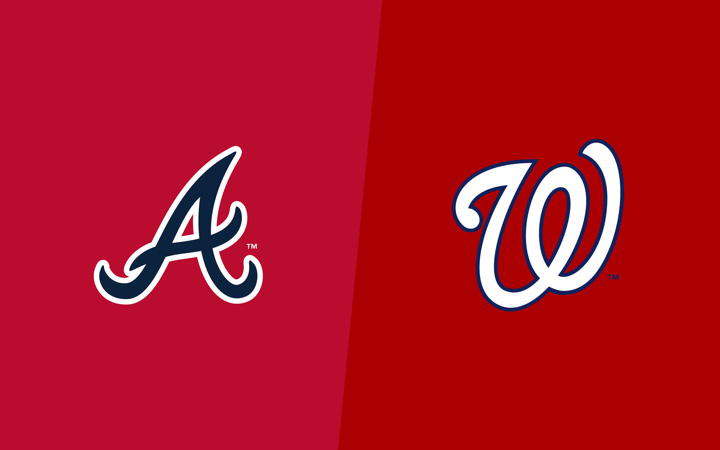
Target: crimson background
107,110
628,363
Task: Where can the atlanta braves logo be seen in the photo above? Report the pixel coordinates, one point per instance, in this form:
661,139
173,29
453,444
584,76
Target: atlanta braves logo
199,200
549,274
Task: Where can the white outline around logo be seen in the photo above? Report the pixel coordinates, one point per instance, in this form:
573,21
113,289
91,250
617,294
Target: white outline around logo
131,275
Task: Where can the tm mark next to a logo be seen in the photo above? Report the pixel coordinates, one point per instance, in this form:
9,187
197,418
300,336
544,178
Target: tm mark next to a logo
549,273
199,200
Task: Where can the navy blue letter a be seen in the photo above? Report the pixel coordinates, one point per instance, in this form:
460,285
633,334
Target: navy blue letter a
199,200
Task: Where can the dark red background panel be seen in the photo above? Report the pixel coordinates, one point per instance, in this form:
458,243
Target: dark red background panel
626,363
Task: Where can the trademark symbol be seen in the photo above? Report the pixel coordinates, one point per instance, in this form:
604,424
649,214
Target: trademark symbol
252,246
613,276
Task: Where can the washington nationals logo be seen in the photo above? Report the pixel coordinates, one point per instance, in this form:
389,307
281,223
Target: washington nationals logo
199,200
548,273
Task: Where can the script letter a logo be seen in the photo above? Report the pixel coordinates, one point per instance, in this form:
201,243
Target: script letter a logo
199,200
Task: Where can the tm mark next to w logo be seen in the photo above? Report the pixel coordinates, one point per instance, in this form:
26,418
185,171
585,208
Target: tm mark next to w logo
199,200
549,276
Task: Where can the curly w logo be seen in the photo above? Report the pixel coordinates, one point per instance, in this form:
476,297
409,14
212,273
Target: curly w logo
548,272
